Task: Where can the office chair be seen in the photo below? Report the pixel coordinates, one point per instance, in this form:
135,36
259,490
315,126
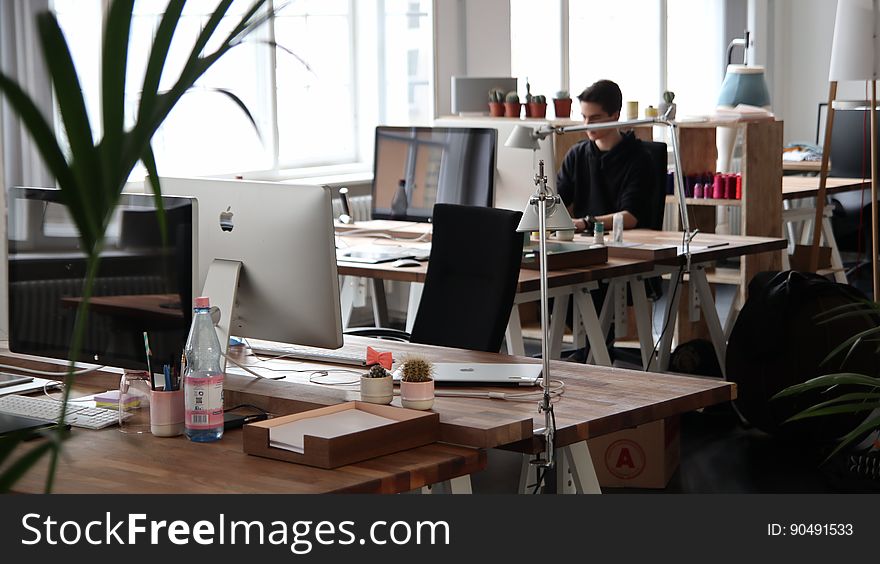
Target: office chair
470,285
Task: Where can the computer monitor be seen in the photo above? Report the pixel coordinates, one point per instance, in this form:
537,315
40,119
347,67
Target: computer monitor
282,236
850,142
515,169
416,167
142,284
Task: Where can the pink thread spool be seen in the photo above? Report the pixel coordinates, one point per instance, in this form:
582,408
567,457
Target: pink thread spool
739,187
718,187
698,190
730,186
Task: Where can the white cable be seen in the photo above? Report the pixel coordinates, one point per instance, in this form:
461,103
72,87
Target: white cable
49,372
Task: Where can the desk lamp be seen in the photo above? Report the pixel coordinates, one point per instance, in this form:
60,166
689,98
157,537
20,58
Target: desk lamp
743,84
855,55
546,212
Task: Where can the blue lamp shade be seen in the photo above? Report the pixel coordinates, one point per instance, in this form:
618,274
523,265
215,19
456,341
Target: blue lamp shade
744,85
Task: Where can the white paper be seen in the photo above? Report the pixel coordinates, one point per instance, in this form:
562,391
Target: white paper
290,436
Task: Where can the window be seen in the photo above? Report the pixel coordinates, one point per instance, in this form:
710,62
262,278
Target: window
646,47
341,68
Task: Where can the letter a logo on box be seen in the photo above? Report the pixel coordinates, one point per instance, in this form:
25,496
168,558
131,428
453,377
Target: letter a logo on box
625,459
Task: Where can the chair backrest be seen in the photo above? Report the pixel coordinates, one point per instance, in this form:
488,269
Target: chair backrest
476,255
657,152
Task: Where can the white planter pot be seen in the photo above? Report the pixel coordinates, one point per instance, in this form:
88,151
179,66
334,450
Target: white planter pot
417,395
377,390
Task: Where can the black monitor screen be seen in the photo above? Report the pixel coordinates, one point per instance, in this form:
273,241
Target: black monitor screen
850,140
417,167
142,284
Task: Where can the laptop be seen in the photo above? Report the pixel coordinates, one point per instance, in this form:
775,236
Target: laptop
484,374
375,254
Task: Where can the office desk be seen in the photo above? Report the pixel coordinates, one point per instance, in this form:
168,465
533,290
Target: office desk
597,401
802,166
796,189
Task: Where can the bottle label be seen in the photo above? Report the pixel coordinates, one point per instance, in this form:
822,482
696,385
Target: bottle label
204,401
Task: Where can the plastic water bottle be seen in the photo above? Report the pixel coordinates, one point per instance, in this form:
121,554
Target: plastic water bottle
203,377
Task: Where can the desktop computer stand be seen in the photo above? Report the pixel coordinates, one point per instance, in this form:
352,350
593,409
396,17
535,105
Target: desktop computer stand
221,286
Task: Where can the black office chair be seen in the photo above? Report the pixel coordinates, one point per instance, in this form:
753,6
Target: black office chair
657,151
476,255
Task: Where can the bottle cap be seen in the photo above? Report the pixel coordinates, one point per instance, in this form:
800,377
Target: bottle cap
202,302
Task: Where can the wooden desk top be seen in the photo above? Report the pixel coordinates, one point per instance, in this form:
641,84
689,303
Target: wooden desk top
794,187
140,306
597,400
802,166
108,461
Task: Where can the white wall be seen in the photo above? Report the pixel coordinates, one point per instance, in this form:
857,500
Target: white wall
472,38
802,53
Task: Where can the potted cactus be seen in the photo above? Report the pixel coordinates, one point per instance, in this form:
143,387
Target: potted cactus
511,104
667,105
562,104
377,386
416,383
538,106
496,102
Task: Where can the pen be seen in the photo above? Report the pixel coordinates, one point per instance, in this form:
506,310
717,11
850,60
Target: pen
166,370
149,354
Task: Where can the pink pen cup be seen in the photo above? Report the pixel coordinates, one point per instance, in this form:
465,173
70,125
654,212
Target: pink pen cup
166,413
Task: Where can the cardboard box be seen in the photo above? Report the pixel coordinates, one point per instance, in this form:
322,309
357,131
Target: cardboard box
643,457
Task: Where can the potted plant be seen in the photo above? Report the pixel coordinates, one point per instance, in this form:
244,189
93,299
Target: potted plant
667,105
377,385
496,102
511,104
93,172
562,105
538,106
416,383
529,97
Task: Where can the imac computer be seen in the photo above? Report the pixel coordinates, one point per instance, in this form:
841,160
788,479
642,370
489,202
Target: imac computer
416,167
143,284
515,168
266,257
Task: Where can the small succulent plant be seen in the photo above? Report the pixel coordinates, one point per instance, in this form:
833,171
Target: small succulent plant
417,369
668,96
512,97
562,95
496,95
539,99
376,371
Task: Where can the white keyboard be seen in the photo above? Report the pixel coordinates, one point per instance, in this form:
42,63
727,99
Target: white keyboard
307,353
47,408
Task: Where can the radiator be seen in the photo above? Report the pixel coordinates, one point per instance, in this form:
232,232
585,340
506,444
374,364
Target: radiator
361,207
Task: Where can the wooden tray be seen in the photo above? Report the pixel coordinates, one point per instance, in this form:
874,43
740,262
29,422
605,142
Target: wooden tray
565,255
411,429
641,251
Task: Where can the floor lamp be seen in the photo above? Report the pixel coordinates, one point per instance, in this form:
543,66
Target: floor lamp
546,212
855,55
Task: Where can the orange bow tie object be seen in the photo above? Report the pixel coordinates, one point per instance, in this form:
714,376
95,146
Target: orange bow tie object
382,358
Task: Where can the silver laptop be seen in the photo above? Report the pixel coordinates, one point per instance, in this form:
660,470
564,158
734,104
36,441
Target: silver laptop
486,374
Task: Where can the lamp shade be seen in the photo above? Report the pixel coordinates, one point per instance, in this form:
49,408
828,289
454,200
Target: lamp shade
557,218
744,84
522,137
854,50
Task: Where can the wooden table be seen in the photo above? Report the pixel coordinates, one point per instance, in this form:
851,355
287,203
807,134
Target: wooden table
597,401
802,166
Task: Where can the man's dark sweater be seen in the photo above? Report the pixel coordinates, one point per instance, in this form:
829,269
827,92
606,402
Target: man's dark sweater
597,183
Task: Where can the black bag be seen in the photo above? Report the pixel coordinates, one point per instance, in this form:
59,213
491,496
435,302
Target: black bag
777,342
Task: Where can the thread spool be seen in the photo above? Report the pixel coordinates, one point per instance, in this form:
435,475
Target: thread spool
670,182
689,186
730,187
739,187
698,190
717,185
632,110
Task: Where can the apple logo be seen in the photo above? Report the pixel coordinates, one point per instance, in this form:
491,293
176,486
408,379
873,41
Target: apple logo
226,220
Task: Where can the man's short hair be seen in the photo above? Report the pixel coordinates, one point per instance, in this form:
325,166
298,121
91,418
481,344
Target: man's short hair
605,93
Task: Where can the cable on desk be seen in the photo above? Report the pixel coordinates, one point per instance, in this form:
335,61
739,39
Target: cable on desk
674,288
50,372
319,372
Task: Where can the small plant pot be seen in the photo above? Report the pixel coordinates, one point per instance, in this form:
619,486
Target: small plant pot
417,395
664,106
537,110
562,108
377,390
496,109
512,109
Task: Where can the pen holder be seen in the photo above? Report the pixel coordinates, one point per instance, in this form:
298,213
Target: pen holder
166,413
